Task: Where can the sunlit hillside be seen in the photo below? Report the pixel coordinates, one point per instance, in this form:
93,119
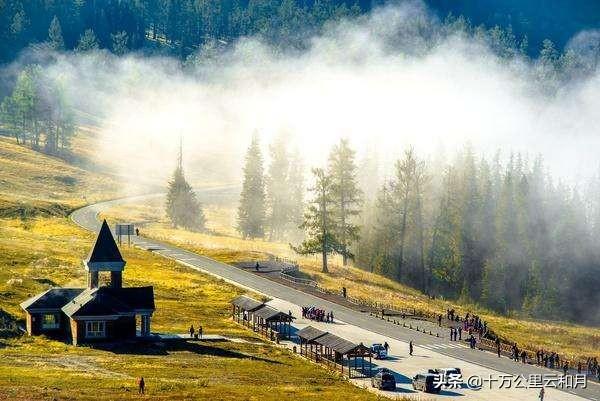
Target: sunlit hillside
224,244
40,184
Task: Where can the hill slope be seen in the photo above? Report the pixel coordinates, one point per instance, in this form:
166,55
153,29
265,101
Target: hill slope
37,184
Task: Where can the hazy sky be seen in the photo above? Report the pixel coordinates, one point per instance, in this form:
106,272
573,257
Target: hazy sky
369,80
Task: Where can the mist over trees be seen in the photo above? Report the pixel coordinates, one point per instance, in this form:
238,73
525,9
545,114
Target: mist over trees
345,196
504,235
180,28
38,113
182,206
272,204
284,191
252,210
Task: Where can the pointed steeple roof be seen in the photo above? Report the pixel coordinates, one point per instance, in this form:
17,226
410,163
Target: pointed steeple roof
105,254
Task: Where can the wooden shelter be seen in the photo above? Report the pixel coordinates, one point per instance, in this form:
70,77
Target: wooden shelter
242,308
335,351
268,319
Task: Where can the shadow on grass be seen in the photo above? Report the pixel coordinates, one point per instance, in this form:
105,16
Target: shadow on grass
168,347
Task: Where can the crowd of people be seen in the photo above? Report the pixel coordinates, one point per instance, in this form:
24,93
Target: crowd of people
547,359
472,325
319,315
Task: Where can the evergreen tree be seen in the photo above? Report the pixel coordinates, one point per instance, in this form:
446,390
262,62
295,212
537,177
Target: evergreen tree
401,190
182,206
252,208
296,201
55,37
119,43
278,190
87,42
346,196
319,221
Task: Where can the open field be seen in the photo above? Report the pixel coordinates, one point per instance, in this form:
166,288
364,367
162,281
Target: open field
38,368
222,244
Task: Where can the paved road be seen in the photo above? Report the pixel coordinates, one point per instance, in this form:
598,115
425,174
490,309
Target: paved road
87,218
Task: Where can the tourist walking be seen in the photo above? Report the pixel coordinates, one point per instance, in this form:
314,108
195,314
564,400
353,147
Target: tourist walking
200,331
541,395
410,347
192,331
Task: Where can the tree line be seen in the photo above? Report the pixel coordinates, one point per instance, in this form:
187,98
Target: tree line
175,27
38,112
502,234
181,27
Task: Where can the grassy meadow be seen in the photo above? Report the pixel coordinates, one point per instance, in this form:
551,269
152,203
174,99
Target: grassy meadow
43,185
39,368
46,250
223,243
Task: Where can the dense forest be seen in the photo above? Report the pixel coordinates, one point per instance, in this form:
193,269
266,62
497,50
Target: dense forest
504,234
500,232
180,27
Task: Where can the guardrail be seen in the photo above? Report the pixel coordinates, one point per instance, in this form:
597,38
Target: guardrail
297,280
287,265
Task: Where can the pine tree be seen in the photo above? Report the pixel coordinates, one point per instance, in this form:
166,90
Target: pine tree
278,190
119,43
55,36
401,188
182,206
87,42
319,221
346,196
297,191
252,208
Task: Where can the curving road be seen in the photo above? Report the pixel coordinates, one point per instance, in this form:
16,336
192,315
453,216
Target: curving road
430,345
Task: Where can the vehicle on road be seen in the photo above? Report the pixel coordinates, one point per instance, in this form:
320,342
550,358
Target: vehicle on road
379,351
448,376
426,382
384,380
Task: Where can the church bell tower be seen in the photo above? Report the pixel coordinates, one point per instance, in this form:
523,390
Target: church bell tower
105,257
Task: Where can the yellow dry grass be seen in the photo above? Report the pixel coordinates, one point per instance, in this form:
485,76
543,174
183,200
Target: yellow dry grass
46,183
49,252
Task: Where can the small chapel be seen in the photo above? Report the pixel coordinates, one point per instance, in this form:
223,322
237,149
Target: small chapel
97,313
